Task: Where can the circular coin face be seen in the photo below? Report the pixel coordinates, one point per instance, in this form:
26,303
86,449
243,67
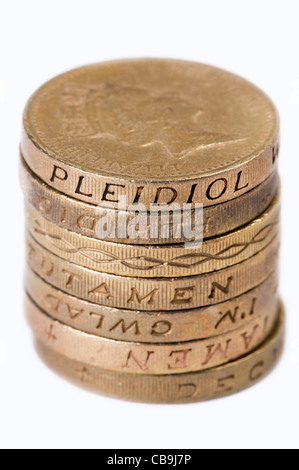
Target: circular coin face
150,120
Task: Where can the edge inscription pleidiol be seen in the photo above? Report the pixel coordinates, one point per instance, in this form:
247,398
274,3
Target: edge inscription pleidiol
131,314
82,218
155,130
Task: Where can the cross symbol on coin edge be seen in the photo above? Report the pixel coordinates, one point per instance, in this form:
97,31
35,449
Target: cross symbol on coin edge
49,334
84,374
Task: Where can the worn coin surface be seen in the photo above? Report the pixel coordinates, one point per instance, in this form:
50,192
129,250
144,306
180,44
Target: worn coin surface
156,131
153,327
178,388
156,261
153,294
146,358
83,218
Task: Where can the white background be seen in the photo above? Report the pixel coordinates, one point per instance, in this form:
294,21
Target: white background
257,39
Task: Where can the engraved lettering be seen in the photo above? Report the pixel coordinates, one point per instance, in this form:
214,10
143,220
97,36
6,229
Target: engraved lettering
256,372
142,365
187,390
252,310
180,297
50,335
125,328
45,206
59,174
233,315
102,290
275,153
31,251
225,384
84,374
248,338
100,319
78,189
224,289
190,198
136,296
52,302
180,359
87,223
277,351
71,278
47,267
63,216
221,193
138,194
73,313
228,314
165,326
206,223
107,192
266,199
212,350
165,188
237,187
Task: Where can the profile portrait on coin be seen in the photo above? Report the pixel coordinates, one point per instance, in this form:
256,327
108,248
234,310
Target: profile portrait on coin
140,118
165,123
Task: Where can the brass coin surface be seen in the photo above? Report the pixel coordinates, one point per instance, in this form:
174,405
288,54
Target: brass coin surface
154,130
154,294
153,327
156,261
146,358
178,388
82,218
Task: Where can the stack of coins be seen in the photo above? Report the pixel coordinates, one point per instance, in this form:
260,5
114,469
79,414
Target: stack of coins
152,228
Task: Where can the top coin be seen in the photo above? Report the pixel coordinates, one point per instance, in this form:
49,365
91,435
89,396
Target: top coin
157,131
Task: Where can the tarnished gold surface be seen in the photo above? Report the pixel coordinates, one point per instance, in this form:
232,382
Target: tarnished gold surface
178,388
152,294
153,327
142,125
143,317
82,218
146,358
156,261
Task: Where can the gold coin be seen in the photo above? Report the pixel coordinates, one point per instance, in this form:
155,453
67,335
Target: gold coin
152,294
154,130
83,218
153,327
178,388
145,358
156,261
